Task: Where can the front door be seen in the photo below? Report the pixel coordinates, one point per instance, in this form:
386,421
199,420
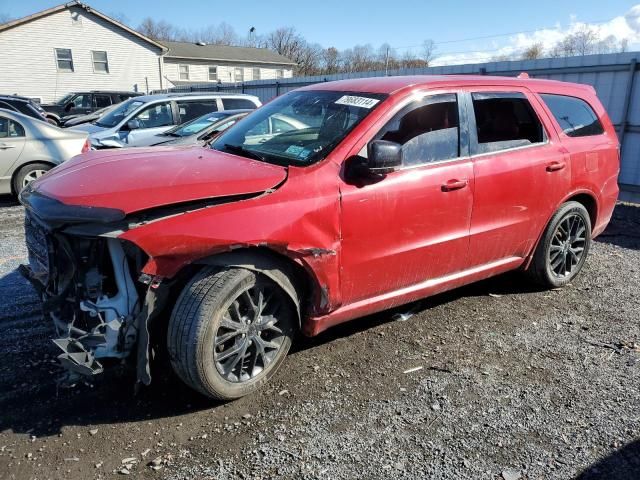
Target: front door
413,224
151,121
521,173
12,140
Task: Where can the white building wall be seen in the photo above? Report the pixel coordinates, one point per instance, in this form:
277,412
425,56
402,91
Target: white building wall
199,70
28,64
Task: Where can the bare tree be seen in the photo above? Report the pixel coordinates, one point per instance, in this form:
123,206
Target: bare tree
222,34
160,30
533,52
330,60
428,51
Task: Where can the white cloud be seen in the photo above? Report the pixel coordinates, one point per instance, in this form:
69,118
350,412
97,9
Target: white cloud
624,27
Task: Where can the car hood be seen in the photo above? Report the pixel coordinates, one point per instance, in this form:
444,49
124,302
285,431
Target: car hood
89,128
132,180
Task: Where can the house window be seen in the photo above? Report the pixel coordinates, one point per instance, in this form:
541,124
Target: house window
64,59
256,74
100,62
279,73
184,72
239,74
213,74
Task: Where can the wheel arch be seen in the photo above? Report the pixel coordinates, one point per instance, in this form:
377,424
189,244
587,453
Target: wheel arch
17,170
588,201
584,197
296,281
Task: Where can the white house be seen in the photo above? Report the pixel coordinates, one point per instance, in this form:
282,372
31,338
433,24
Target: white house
74,47
187,63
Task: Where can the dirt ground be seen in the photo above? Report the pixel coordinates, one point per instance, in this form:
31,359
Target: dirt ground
498,380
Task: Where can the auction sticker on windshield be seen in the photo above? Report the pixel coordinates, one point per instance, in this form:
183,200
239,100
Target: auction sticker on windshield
354,101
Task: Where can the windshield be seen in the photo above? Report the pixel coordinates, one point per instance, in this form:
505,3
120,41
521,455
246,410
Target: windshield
299,128
115,116
196,125
66,99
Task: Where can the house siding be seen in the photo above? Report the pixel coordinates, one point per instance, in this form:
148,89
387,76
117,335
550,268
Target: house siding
199,70
28,64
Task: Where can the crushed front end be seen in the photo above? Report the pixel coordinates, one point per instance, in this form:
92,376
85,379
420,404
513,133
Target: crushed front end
85,277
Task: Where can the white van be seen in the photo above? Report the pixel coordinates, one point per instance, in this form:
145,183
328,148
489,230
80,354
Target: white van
139,118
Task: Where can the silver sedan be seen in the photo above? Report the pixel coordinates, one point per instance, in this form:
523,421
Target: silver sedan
29,148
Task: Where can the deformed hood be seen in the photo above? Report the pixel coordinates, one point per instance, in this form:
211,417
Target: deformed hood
132,180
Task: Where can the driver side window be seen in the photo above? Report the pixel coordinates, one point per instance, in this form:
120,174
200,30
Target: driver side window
158,115
428,130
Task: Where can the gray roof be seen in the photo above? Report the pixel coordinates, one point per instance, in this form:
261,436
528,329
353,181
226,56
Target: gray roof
224,53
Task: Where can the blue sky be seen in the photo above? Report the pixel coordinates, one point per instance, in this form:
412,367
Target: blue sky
344,23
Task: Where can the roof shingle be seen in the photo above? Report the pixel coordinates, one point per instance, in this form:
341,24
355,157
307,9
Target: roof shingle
225,53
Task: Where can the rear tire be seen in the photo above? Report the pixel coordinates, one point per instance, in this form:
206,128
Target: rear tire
563,248
229,332
29,173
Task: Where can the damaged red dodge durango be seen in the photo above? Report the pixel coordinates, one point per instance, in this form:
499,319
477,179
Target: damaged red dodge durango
329,203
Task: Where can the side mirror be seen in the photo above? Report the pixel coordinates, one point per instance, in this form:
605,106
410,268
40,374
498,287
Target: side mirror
133,124
383,156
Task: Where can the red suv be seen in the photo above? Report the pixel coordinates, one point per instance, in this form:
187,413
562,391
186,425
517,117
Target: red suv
329,203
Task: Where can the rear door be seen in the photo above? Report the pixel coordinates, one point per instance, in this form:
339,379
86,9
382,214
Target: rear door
187,110
520,169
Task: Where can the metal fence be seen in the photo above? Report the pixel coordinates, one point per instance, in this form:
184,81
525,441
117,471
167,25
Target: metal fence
612,75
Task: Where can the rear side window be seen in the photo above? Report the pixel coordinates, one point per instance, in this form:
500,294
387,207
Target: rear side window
10,129
575,116
189,110
237,103
428,130
505,120
102,101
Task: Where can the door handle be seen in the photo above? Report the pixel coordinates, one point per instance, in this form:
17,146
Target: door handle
454,184
555,166
4,146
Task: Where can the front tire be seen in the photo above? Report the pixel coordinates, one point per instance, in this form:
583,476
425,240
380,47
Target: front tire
563,248
229,332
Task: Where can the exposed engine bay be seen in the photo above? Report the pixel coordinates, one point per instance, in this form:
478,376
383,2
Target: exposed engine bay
88,291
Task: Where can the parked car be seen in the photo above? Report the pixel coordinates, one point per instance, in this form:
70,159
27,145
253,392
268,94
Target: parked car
196,131
203,129
82,103
142,118
74,120
29,148
395,189
24,105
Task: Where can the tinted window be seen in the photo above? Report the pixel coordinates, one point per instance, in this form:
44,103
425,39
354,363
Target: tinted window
7,106
237,103
428,130
575,116
10,129
158,115
505,120
82,101
189,110
102,101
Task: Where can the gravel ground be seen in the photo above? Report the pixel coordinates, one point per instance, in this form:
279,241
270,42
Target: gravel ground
497,380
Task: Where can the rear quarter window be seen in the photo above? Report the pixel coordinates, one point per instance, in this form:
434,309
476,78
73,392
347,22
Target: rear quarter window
574,115
238,103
